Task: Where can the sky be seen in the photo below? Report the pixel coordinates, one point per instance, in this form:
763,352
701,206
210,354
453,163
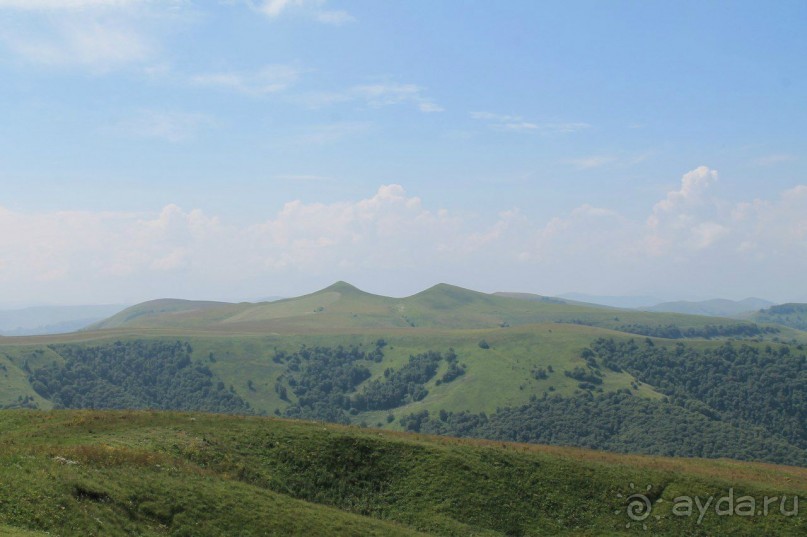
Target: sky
240,149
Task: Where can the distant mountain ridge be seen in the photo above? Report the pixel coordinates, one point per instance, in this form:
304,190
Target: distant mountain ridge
153,308
446,360
718,307
40,320
342,306
615,301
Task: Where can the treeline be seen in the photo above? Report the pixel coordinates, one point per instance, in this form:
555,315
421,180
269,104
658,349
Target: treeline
325,381
739,384
322,379
407,384
709,331
739,401
671,331
793,315
787,309
618,422
134,374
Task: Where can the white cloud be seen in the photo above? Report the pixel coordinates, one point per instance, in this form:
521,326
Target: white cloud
304,178
270,79
497,118
311,8
594,161
332,132
694,241
513,123
92,34
164,125
706,245
685,216
336,17
771,160
37,5
89,42
386,94
694,186
778,226
274,8
429,107
375,96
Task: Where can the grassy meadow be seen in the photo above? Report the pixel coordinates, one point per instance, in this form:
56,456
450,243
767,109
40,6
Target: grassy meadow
163,473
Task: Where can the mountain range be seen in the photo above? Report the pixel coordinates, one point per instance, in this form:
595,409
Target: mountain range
552,375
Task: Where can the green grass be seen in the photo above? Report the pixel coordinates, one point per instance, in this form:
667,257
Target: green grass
148,473
341,308
8,531
242,339
496,377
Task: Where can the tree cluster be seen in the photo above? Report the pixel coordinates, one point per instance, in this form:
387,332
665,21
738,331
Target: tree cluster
134,374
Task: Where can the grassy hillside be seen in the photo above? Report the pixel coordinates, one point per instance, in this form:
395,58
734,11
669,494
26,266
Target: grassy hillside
645,395
168,309
146,473
715,307
343,308
347,356
498,376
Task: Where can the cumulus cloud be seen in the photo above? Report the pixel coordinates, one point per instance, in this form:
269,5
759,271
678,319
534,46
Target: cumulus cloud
314,237
686,215
691,240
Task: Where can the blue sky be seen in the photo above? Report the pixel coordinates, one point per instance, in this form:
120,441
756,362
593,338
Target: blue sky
238,149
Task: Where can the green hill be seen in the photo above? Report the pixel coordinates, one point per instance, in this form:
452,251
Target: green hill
169,310
447,360
716,307
343,308
793,315
149,473
536,383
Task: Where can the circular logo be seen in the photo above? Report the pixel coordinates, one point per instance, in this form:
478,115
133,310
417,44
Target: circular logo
638,506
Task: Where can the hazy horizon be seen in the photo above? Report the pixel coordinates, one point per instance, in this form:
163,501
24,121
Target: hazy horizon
236,150
619,301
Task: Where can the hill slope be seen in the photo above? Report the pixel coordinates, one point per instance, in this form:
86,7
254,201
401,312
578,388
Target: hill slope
147,473
165,309
717,307
447,360
793,315
537,383
342,307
